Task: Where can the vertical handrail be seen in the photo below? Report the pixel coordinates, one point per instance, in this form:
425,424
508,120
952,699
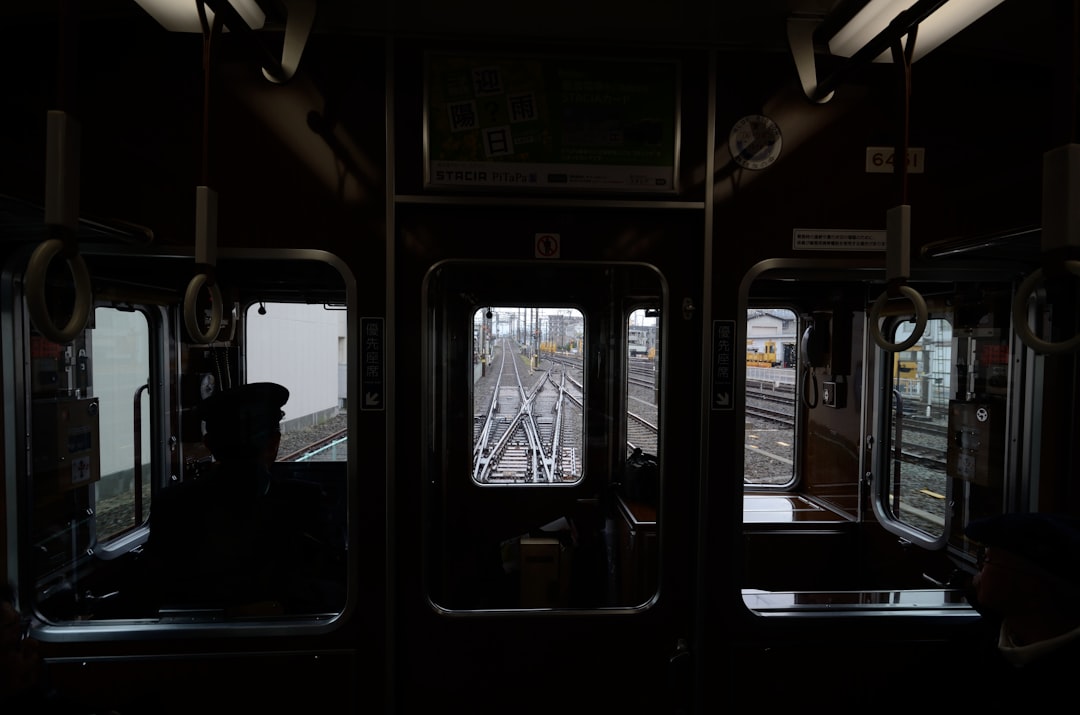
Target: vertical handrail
898,448
137,474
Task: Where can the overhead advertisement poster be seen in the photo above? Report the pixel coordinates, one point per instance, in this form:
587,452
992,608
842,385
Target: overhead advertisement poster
581,124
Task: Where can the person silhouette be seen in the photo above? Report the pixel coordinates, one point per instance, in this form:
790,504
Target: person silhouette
237,538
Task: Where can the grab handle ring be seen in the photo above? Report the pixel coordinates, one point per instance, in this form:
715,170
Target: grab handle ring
1020,321
920,320
809,380
190,310
35,292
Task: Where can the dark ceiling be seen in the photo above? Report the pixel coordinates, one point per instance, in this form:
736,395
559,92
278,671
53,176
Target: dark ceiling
1015,27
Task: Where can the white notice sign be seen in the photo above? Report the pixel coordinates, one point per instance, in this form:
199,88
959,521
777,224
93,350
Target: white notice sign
837,239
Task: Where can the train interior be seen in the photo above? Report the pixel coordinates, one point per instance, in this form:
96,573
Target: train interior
718,428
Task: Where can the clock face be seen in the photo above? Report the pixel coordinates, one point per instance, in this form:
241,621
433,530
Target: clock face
755,142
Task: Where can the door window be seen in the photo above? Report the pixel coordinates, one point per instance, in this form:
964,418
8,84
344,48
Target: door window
917,484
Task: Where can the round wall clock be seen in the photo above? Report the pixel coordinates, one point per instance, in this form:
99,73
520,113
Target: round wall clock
755,141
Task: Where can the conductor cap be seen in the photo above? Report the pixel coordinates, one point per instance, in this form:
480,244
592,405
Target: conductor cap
246,411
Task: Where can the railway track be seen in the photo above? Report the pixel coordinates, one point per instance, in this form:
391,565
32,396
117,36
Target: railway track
640,433
530,430
641,372
642,430
329,447
778,416
917,497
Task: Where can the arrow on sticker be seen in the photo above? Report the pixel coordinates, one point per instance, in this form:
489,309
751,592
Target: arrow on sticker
723,399
371,399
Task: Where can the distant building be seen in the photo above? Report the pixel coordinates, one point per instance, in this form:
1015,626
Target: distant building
777,326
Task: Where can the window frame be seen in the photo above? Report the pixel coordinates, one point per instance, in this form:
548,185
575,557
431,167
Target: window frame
884,409
475,349
940,604
156,317
165,358
798,416
452,291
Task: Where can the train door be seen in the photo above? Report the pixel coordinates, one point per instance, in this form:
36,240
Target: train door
545,460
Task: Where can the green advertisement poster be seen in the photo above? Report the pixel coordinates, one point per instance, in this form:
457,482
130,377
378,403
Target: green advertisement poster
571,123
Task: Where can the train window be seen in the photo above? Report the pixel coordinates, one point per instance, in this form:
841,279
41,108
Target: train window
771,396
116,449
841,409
916,489
528,395
910,443
947,458
642,385
120,375
312,364
93,463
